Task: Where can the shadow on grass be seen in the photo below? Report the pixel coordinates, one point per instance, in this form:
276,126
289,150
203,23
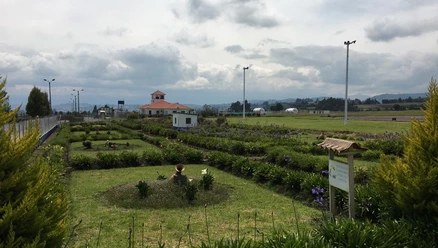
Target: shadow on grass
163,194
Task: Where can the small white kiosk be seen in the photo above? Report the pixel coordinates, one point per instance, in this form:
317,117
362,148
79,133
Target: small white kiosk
183,121
341,175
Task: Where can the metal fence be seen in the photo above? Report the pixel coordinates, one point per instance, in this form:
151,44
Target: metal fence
47,124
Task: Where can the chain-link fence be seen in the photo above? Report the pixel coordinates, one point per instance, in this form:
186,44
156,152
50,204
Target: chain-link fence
47,124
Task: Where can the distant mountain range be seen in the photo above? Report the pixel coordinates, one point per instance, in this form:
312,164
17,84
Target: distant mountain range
132,107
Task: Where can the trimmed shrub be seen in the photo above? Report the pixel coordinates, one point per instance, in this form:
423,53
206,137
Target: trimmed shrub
87,144
81,162
129,159
107,160
193,156
152,157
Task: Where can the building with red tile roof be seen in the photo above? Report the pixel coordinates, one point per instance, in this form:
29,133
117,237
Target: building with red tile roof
159,106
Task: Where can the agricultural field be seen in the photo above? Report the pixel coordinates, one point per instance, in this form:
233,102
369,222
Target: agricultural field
258,208
317,123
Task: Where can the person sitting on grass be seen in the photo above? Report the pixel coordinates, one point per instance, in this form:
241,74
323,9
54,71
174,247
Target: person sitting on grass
179,178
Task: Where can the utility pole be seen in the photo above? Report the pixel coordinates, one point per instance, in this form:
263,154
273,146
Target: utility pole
244,68
347,43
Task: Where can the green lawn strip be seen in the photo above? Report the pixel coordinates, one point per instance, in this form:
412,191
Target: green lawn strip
246,198
325,124
135,145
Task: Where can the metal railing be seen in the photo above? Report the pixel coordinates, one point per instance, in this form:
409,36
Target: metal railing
47,124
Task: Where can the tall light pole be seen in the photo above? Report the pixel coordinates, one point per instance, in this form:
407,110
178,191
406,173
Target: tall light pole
79,110
244,68
50,94
348,43
74,102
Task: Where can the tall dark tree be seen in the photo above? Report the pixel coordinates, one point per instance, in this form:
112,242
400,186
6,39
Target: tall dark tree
207,111
236,107
37,103
95,109
277,107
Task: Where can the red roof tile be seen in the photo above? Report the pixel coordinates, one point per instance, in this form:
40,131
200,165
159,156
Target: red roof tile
165,105
158,93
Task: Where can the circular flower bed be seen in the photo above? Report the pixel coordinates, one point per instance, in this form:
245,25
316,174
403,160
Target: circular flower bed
164,194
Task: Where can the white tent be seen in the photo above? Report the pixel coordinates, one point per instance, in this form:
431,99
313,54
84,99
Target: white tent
291,110
260,111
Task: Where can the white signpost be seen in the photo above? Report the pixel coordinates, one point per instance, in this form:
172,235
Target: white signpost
341,175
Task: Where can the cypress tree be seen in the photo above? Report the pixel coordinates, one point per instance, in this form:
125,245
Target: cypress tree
409,185
33,203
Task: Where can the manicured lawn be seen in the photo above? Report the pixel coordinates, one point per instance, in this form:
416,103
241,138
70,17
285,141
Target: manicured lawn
99,146
325,124
87,204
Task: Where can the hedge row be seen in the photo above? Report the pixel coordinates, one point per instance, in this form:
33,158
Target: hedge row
299,184
172,153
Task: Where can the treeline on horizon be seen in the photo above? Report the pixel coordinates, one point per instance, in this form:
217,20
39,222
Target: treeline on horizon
333,104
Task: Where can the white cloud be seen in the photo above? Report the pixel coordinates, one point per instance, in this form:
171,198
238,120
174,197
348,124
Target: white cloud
389,29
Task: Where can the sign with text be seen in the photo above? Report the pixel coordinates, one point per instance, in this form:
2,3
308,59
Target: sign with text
338,174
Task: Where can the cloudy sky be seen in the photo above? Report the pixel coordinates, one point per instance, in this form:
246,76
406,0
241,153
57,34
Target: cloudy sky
194,50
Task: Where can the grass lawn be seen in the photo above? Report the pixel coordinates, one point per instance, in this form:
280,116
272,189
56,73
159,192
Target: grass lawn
325,123
246,198
99,146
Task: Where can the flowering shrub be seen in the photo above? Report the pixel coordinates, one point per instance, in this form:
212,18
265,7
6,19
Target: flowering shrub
318,193
207,180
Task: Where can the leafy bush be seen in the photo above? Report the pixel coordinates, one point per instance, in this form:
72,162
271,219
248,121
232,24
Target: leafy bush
82,162
152,157
129,159
107,160
310,182
190,191
143,189
238,148
207,180
87,144
87,131
193,156
371,155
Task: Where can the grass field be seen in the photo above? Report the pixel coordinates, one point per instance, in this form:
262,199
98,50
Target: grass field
246,198
325,124
99,146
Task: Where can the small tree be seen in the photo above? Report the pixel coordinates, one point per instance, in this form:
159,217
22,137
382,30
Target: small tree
33,203
37,103
409,185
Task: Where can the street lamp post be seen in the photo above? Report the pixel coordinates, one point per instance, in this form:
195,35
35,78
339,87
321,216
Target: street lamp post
244,68
50,93
348,43
74,102
78,98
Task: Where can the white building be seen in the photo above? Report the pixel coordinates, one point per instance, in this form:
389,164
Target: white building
159,106
183,121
